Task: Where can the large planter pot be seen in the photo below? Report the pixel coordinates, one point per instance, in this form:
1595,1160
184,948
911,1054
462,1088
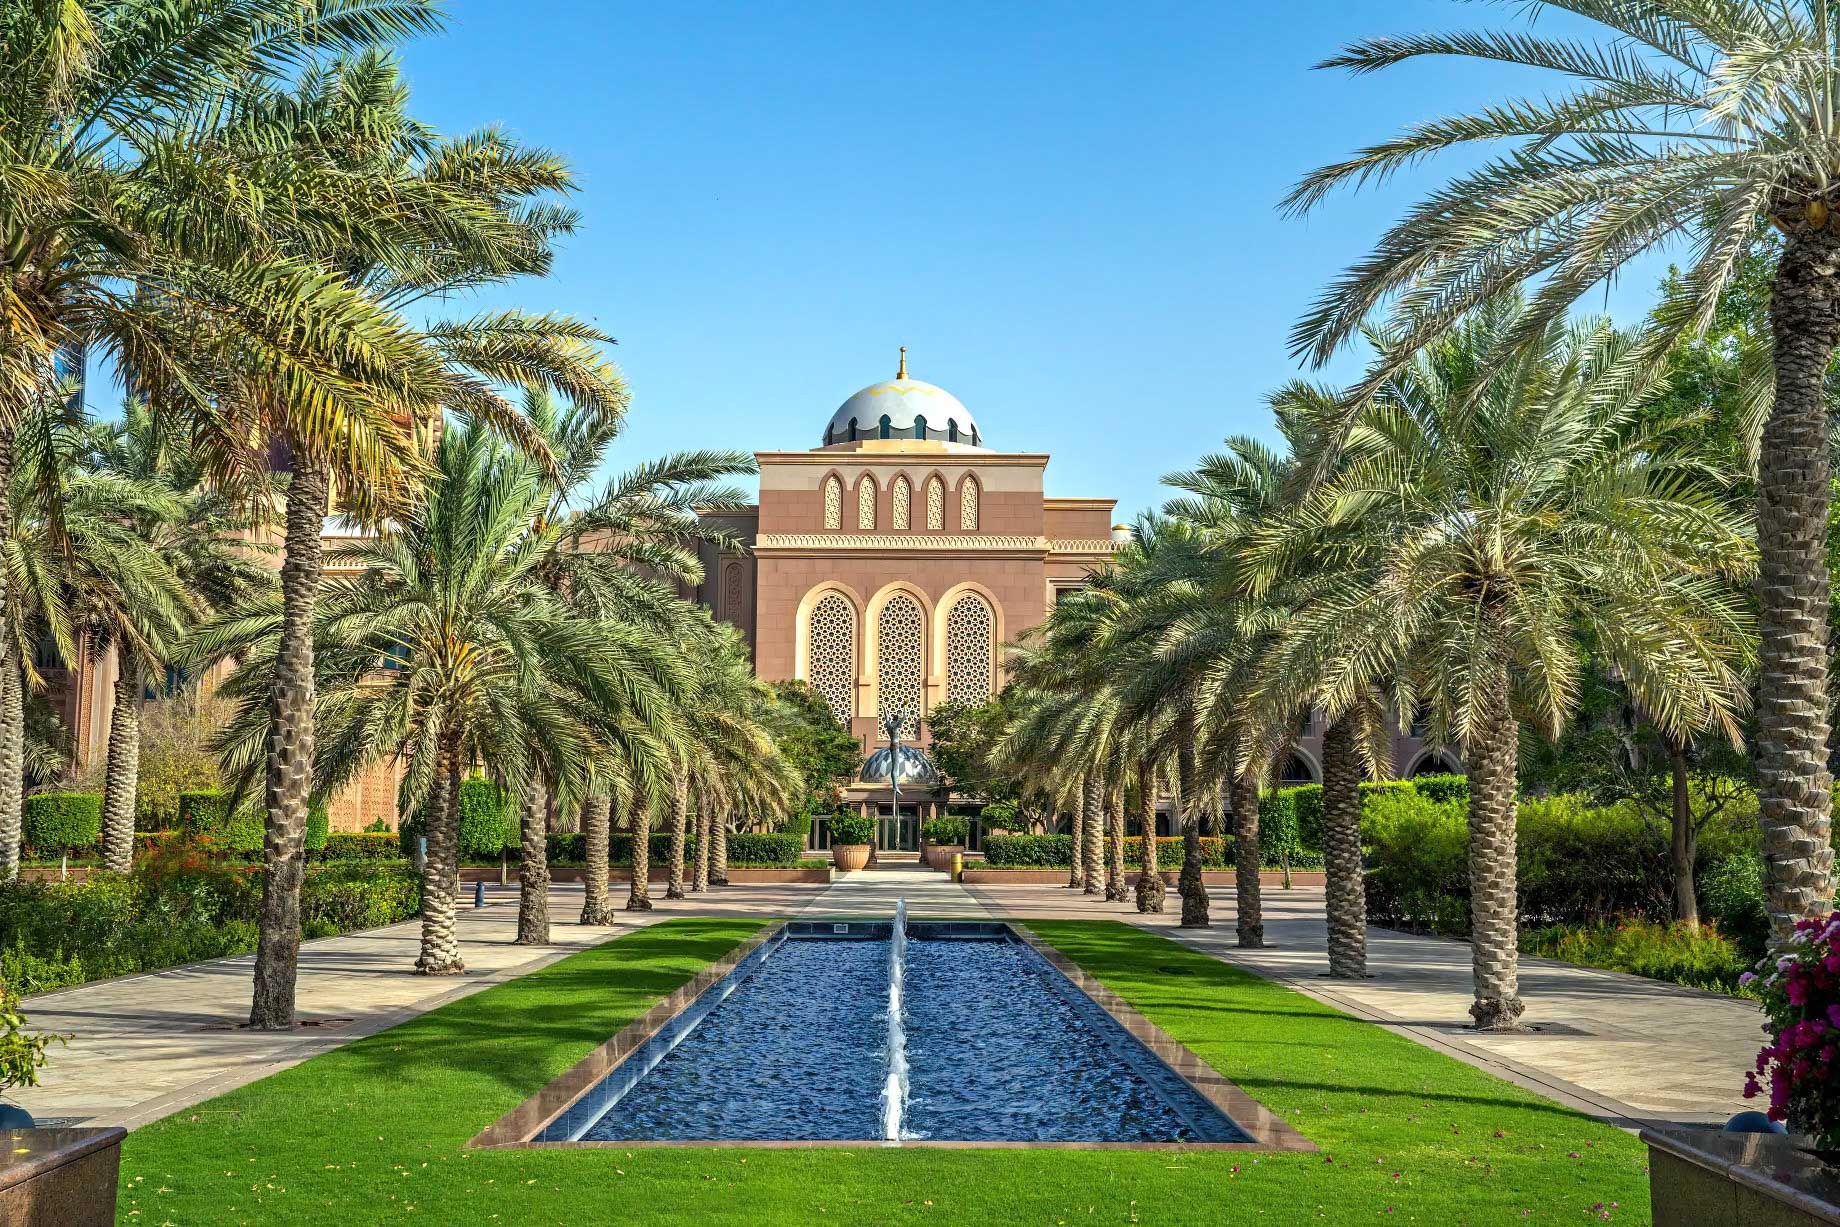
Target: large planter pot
59,1177
939,856
847,857
1705,1177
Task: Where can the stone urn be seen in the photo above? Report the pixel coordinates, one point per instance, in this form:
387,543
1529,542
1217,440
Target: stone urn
849,857
939,856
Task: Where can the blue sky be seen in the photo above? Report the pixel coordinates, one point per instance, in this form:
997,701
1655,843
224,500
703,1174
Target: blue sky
1067,212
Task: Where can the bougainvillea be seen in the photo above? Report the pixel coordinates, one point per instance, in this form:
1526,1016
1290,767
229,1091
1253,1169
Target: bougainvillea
1801,996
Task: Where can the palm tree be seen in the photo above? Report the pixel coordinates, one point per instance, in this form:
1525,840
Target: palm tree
1708,123
445,649
1481,518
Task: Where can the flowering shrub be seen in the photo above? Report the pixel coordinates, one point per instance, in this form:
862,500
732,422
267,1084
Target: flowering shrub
1801,997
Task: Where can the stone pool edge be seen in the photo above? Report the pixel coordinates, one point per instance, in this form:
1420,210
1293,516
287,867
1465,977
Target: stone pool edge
517,1129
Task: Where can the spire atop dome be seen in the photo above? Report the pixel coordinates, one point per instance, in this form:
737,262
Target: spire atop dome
902,373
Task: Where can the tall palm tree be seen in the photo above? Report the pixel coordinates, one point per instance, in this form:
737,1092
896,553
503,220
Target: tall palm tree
445,648
1705,123
1482,516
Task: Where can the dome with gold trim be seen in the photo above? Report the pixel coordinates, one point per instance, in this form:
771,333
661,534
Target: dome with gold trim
902,408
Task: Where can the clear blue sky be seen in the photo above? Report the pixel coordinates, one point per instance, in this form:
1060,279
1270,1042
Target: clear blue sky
1067,212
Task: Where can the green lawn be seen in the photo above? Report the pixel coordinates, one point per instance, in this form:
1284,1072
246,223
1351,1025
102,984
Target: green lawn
375,1131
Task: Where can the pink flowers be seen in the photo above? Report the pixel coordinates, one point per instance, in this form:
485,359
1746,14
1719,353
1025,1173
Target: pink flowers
1802,1000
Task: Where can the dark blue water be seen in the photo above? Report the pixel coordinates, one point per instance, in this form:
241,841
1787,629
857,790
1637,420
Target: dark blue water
1002,1048
794,1052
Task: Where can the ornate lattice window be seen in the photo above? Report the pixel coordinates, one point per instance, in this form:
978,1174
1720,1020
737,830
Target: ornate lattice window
865,503
971,631
731,592
936,505
900,500
833,503
898,662
830,648
968,505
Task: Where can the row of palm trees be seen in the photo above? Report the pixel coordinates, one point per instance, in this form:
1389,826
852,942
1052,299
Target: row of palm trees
228,207
1469,545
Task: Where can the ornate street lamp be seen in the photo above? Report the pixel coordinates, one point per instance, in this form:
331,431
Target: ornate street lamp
892,724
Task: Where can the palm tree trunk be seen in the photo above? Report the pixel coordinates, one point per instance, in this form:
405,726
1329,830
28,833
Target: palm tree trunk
441,873
597,833
718,854
12,754
680,816
122,774
1093,804
1150,879
1114,834
1493,757
290,753
1190,884
12,693
1249,916
533,868
1076,839
1793,784
1345,892
1683,846
639,897
699,880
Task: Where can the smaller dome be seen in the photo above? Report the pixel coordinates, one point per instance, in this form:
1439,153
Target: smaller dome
916,768
911,407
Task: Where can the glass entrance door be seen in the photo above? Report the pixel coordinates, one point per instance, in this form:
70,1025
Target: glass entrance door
898,832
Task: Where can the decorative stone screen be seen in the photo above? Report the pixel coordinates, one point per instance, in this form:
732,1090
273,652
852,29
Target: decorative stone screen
833,503
899,653
831,654
865,503
970,642
900,496
936,505
731,592
968,505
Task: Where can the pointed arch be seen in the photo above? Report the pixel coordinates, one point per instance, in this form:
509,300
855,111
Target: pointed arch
969,503
966,635
865,503
936,503
830,646
897,621
919,425
885,428
900,503
833,502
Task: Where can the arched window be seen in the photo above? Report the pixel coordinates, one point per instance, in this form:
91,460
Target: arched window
935,505
974,435
852,430
919,426
899,636
830,653
971,632
833,503
865,503
887,427
951,430
968,505
827,434
900,501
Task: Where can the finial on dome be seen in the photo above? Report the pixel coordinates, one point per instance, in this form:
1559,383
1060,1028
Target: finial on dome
902,373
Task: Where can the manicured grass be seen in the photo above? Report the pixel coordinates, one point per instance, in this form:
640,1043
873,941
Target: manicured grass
375,1131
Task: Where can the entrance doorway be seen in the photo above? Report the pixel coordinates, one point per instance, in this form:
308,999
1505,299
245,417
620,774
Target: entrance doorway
898,832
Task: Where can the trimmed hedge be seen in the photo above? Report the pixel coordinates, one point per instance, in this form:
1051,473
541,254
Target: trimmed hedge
848,829
361,846
1056,852
62,821
744,848
948,830
487,825
207,812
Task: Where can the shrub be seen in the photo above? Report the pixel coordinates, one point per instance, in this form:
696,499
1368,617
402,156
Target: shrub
1029,851
1731,896
1169,852
1003,816
176,757
203,811
849,828
1418,849
1442,787
345,898
487,825
757,848
951,829
1706,959
1278,826
62,821
360,846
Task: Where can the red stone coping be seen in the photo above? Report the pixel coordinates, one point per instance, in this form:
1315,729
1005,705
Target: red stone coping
514,1130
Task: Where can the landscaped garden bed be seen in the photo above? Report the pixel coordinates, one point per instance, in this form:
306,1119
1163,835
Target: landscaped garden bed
377,1131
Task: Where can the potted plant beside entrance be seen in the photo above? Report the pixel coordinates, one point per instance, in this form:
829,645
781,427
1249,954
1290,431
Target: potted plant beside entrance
850,838
945,838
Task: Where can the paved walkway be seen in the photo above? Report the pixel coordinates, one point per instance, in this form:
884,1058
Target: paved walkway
1615,1045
